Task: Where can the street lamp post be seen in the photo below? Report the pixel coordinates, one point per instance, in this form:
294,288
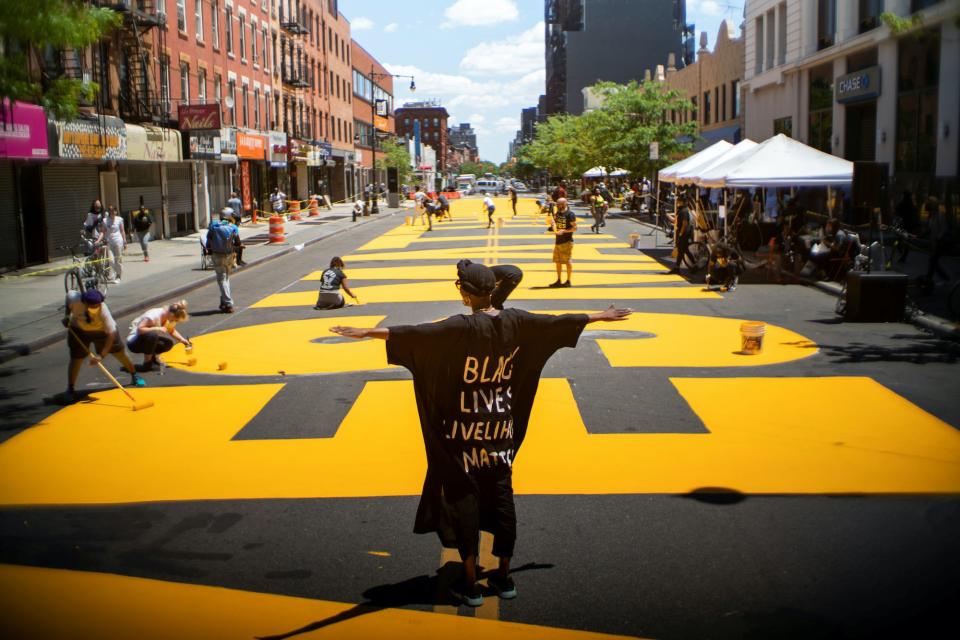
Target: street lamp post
374,208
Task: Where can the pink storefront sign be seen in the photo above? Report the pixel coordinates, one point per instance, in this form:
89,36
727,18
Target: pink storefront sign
23,131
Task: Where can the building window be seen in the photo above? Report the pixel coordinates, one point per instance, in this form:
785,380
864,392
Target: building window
771,42
869,14
165,79
243,38
215,22
184,83
716,104
273,55
784,126
202,86
706,108
229,25
266,48
782,33
821,108
217,88
723,103
826,23
244,92
758,44
232,93
735,93
198,18
918,78
919,5
182,16
693,112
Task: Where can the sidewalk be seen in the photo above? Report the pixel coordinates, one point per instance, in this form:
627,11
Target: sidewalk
933,316
33,304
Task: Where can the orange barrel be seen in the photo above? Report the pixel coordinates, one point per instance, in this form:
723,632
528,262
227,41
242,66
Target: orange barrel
277,235
294,209
314,210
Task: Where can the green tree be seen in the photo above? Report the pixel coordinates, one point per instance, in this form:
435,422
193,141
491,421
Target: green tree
478,168
396,155
28,28
555,146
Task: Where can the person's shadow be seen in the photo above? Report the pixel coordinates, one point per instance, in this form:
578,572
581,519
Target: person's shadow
421,590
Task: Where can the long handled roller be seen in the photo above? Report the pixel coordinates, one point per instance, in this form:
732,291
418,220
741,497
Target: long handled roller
137,406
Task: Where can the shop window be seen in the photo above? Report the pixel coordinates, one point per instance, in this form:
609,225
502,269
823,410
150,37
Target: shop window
784,126
821,108
917,84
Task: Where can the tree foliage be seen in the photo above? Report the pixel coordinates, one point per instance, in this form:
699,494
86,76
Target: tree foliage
396,155
616,135
30,27
478,168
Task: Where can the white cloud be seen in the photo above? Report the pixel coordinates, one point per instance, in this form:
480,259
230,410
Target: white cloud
705,7
507,124
390,28
479,13
360,24
518,54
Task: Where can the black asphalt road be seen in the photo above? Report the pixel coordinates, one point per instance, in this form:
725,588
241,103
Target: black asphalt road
717,565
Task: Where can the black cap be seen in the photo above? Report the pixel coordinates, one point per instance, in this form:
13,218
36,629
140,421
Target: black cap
476,279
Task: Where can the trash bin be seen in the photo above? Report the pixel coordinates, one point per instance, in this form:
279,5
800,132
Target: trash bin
393,200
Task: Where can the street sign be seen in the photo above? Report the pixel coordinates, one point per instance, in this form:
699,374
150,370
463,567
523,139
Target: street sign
381,108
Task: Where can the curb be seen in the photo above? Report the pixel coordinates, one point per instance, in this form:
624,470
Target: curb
934,324
12,351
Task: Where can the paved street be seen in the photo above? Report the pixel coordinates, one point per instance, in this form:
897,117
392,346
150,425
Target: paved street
669,486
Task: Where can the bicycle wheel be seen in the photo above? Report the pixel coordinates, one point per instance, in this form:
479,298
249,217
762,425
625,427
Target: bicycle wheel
72,281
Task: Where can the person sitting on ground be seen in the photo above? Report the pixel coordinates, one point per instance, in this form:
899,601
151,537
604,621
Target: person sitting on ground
331,280
469,482
155,332
724,267
88,321
444,207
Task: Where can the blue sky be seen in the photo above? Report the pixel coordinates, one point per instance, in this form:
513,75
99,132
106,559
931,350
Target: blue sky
483,59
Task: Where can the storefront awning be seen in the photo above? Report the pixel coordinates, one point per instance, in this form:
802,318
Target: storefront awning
153,144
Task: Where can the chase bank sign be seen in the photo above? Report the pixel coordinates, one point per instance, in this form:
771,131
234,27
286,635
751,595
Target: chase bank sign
859,85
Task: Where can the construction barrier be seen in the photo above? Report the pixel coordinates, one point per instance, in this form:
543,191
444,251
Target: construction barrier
314,210
450,195
277,235
294,209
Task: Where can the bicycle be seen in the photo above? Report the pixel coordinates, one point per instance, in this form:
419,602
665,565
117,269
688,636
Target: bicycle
91,268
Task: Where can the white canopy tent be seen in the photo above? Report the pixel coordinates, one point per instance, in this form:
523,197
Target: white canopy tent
712,152
712,173
600,172
782,161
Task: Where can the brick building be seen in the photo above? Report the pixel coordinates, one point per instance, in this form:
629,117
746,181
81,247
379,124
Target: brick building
429,119
372,85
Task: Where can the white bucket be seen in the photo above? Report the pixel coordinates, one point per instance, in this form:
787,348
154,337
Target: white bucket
751,337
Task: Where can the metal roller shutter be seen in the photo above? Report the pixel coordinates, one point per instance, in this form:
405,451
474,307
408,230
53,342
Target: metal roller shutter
180,197
9,229
218,186
68,190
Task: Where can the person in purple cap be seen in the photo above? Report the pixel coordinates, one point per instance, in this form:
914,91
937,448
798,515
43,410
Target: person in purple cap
475,377
88,321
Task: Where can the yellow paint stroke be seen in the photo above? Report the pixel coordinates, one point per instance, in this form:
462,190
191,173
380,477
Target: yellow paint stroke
435,291
56,603
585,250
449,271
766,435
266,349
696,341
379,554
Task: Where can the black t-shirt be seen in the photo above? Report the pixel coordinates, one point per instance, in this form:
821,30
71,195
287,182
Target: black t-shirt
564,220
142,220
331,278
684,217
475,378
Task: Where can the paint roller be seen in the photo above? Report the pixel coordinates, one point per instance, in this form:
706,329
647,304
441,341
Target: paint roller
137,406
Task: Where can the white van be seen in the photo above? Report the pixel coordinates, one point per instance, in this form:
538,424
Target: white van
487,185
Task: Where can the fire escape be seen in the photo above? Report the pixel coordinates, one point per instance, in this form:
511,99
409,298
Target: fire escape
141,100
293,67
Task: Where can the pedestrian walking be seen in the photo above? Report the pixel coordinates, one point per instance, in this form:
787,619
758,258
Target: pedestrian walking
222,240
489,207
512,192
236,205
154,332
331,281
88,321
278,200
684,235
598,207
475,377
418,198
565,225
91,222
112,232
142,223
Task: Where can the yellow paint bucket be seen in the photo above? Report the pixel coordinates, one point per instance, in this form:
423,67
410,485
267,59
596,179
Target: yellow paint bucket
634,239
751,337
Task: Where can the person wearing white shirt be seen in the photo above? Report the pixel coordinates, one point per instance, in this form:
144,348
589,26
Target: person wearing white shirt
112,231
489,208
